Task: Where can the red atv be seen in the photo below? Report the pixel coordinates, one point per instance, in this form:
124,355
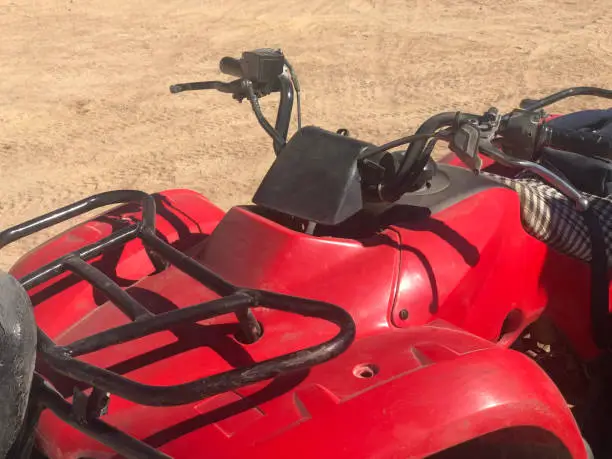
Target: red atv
371,303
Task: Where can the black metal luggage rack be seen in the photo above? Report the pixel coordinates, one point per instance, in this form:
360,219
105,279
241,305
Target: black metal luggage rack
85,410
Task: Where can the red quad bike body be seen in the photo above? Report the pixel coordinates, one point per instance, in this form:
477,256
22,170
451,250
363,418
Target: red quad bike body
437,302
442,375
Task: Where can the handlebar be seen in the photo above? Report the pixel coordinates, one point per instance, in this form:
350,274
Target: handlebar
586,143
263,71
417,154
536,104
520,132
259,72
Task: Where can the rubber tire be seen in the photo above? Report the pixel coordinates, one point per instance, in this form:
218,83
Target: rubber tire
589,451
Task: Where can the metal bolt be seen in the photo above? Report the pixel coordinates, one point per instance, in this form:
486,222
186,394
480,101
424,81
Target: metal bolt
403,314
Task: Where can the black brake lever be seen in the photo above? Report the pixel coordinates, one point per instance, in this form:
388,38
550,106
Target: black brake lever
232,87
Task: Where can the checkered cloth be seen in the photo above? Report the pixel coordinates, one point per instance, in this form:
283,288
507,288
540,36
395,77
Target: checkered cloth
552,218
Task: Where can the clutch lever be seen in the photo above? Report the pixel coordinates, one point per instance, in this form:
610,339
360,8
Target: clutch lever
580,201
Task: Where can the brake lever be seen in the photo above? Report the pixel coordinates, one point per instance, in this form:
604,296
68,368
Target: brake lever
569,190
232,87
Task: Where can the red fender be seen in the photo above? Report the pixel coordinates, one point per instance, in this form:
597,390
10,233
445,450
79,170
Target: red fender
449,399
430,388
182,216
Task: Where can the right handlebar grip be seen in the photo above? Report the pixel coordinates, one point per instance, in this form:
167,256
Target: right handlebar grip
585,143
231,66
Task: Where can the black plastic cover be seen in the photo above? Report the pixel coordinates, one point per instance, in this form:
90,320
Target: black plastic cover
315,177
262,65
519,133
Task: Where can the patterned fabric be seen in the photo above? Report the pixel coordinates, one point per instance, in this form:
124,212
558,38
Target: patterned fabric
552,218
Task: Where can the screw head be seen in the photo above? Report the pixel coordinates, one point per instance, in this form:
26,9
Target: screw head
403,314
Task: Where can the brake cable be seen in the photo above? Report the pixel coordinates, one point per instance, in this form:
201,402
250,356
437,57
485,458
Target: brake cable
261,119
296,85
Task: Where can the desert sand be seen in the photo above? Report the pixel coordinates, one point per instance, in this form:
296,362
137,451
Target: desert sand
85,106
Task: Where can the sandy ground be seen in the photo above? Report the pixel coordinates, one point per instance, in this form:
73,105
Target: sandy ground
85,107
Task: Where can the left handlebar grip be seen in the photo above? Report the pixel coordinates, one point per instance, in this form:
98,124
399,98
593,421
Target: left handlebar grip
231,66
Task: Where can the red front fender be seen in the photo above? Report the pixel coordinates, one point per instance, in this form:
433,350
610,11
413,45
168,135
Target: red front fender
451,399
431,388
